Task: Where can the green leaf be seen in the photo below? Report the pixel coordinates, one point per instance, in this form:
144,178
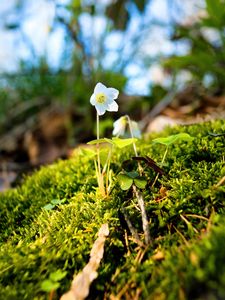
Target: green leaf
57,275
121,143
140,182
56,202
48,285
88,152
173,138
49,206
132,174
100,141
125,181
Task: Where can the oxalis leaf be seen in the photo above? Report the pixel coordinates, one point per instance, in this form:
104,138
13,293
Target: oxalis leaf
49,285
49,206
100,141
88,152
121,143
57,275
132,174
173,138
140,182
125,181
56,202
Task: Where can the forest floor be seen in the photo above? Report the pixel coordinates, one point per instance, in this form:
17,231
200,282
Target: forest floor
43,138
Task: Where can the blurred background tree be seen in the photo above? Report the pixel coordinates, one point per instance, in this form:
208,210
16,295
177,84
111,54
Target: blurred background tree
54,52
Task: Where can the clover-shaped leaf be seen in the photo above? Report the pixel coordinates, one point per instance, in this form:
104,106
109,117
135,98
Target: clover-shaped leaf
49,206
173,138
132,174
128,178
121,143
140,182
100,141
87,152
125,181
57,275
49,285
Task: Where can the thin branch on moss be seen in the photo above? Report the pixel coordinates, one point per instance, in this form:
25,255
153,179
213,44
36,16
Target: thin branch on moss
139,195
220,182
81,283
145,224
197,216
131,228
181,235
188,223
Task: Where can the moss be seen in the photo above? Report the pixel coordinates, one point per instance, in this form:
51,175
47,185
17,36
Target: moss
185,210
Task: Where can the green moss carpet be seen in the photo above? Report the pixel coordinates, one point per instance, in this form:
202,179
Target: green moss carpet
49,224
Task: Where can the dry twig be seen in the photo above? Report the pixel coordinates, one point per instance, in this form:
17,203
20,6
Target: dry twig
81,283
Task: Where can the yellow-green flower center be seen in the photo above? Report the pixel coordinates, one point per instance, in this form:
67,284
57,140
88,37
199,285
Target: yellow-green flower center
123,121
100,98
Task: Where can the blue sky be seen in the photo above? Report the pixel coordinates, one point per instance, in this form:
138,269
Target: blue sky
37,28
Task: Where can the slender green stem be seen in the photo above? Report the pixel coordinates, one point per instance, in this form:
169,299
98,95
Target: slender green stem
100,175
98,151
134,145
163,159
164,156
139,194
132,135
106,170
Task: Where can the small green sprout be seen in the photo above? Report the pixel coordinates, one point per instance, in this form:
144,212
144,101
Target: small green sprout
105,155
167,141
52,283
173,138
54,203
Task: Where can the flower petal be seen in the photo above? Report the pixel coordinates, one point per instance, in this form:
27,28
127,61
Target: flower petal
135,129
101,109
118,131
112,93
92,99
113,106
119,126
100,88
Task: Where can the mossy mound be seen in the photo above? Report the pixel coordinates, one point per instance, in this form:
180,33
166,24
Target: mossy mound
186,259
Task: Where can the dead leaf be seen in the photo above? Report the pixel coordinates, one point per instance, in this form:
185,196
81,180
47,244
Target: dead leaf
81,283
159,255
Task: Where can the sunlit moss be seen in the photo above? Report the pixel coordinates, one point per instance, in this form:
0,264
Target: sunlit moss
185,209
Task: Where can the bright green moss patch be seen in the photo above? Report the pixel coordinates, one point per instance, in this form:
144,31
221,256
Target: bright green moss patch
185,210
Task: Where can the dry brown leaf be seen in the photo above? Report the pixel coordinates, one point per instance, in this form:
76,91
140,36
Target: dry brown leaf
81,283
159,255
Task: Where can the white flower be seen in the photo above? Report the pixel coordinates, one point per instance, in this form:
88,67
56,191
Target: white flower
103,99
120,125
135,129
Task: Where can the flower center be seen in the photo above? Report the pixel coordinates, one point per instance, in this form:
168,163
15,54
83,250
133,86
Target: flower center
100,98
123,121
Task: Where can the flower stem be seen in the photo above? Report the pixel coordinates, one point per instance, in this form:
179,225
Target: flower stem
164,156
132,135
139,195
100,175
